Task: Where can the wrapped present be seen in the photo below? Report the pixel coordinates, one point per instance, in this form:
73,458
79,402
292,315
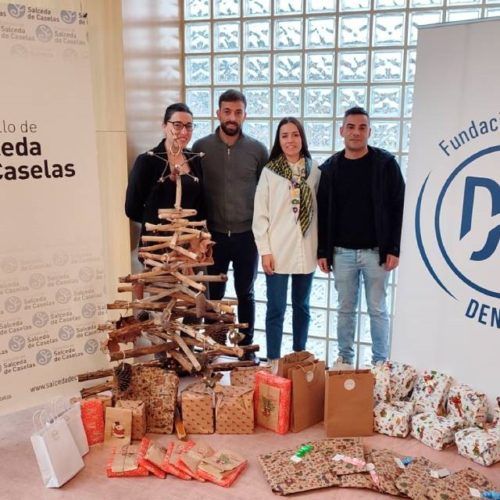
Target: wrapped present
314,470
387,470
347,455
464,402
416,477
197,409
158,389
245,375
292,360
93,420
434,430
124,462
151,456
189,460
457,486
382,388
430,392
403,379
174,449
234,410
222,468
480,445
393,419
117,426
138,409
496,414
272,402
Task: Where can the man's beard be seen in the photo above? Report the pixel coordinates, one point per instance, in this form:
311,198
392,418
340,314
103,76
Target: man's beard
230,132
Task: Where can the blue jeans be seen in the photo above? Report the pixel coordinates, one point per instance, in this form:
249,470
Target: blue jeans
348,266
276,306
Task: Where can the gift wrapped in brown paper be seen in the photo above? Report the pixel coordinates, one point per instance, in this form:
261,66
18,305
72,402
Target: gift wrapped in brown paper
124,463
117,426
138,409
293,359
197,409
234,413
158,389
245,375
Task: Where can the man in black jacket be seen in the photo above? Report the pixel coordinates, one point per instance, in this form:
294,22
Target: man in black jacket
360,212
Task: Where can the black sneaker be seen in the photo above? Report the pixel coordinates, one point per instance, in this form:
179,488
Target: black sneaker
250,356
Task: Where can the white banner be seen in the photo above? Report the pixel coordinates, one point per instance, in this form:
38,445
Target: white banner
51,267
448,306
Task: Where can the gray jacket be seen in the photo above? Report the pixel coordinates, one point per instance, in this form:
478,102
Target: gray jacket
230,175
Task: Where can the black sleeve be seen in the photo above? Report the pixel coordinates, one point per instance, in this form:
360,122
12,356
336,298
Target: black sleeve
140,184
396,189
322,199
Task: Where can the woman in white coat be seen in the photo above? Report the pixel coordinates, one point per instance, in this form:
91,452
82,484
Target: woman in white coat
285,230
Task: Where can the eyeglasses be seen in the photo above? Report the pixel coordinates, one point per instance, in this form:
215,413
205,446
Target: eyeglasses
178,126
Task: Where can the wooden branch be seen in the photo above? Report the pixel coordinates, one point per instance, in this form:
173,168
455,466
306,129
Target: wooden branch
83,377
187,351
141,351
190,282
181,360
217,367
96,389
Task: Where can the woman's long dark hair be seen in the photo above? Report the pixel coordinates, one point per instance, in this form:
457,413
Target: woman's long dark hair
276,151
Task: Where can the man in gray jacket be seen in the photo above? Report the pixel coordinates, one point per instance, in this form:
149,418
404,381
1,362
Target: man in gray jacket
231,168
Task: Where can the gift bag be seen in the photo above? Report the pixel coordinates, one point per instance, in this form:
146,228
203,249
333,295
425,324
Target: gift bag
118,426
55,449
138,409
272,402
349,403
292,360
308,395
72,413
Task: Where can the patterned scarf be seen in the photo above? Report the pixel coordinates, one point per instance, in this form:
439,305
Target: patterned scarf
281,167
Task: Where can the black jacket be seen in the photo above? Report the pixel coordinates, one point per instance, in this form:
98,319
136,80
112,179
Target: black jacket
388,189
145,194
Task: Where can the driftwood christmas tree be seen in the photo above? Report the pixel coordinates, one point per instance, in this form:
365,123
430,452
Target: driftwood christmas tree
169,306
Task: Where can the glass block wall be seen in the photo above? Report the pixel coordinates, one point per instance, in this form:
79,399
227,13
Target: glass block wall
313,59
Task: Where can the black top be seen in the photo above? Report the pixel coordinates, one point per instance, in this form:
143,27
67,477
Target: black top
354,217
147,192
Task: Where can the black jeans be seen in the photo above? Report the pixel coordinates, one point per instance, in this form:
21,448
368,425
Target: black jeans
241,250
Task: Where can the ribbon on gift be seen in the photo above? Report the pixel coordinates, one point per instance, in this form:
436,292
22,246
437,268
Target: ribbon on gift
301,453
493,495
125,459
357,462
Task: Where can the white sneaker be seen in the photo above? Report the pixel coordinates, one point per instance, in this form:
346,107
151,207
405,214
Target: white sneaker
340,364
273,363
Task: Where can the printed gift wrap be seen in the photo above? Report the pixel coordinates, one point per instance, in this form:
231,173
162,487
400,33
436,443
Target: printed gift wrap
222,468
138,409
430,392
313,471
464,402
387,470
246,375
272,402
457,486
175,449
158,389
93,420
234,412
124,462
481,446
393,419
197,409
416,478
403,379
434,430
382,388
151,456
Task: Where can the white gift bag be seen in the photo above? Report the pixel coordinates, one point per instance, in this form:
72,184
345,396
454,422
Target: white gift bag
72,413
55,449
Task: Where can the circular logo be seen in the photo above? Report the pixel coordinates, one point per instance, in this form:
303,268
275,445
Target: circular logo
16,10
349,384
40,319
68,16
86,274
464,208
63,295
17,343
91,346
309,377
44,356
44,33
13,304
66,332
37,281
19,50
9,265
88,310
60,258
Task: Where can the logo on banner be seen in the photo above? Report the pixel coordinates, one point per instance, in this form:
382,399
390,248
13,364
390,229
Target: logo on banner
16,10
457,225
68,16
44,33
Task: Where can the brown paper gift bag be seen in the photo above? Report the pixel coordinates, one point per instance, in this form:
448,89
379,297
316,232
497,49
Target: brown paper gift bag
308,395
349,403
138,409
234,410
292,360
117,426
197,409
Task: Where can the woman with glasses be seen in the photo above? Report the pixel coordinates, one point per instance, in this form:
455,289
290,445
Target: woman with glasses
152,181
285,230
